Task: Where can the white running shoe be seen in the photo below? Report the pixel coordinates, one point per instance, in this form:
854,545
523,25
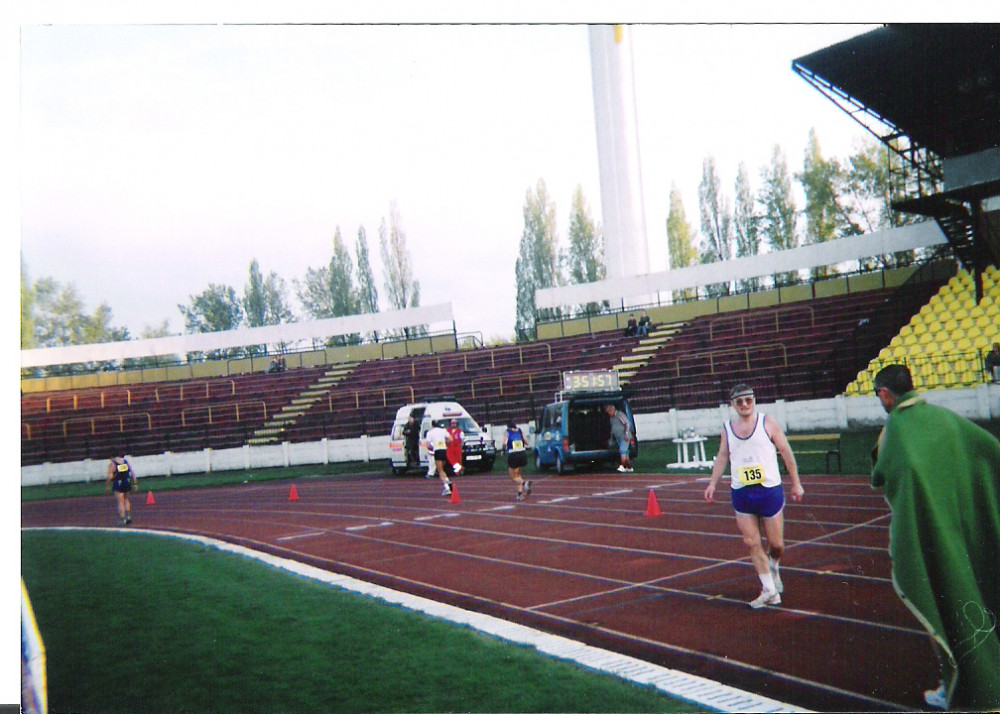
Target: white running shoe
936,697
622,469
778,585
446,491
764,599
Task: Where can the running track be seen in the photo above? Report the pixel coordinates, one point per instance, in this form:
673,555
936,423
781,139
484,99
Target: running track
582,559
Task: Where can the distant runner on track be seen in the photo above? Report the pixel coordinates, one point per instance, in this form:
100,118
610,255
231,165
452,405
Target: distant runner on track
121,480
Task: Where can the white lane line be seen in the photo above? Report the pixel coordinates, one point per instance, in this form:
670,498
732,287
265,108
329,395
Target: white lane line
369,525
311,534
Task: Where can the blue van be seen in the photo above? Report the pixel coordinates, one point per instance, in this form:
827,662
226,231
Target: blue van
576,430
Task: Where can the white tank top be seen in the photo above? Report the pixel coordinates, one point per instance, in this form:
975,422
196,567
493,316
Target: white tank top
753,460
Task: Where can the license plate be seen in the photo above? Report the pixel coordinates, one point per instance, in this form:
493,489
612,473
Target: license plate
473,457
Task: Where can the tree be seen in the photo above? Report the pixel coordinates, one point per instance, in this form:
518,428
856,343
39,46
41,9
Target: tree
264,302
778,215
27,309
868,196
216,309
821,181
53,315
745,224
330,291
586,251
313,292
537,263
716,221
367,293
400,286
681,246
59,317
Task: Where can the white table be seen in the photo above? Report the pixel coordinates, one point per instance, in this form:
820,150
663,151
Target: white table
688,448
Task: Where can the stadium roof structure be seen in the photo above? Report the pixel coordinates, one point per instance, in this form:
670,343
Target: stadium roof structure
939,84
931,92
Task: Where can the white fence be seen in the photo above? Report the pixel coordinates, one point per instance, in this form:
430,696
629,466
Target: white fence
840,413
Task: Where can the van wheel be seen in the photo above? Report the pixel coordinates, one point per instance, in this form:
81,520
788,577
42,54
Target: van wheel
398,470
560,466
539,466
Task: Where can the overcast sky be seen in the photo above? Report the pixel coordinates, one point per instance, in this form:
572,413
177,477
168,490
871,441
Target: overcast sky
156,159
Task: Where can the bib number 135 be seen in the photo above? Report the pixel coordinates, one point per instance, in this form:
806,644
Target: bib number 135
751,475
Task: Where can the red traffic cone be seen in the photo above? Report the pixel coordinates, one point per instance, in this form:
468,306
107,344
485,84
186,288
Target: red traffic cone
293,494
150,501
454,495
652,507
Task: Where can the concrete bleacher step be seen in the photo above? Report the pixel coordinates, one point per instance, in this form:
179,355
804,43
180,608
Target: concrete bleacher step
271,432
639,356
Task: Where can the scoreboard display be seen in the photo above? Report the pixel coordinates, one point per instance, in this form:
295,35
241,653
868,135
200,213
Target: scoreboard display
594,380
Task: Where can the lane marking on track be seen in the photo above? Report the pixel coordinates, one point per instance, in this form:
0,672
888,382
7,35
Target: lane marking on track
436,516
496,508
300,536
561,500
615,493
368,525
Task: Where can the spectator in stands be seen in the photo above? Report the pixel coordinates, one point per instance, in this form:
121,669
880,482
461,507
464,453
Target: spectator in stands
993,362
411,441
751,444
437,444
121,480
644,324
273,367
621,436
281,363
941,477
631,327
454,465
517,458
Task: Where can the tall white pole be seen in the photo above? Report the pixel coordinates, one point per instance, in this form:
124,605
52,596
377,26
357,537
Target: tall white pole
626,251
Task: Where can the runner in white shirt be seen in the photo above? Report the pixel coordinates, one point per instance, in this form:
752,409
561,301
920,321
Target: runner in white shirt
751,444
437,443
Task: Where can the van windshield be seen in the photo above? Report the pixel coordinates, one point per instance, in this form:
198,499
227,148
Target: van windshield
468,425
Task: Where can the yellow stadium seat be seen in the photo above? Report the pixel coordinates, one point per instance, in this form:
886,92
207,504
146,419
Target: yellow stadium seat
981,341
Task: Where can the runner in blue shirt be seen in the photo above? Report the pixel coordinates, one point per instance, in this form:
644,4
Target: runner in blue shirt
517,457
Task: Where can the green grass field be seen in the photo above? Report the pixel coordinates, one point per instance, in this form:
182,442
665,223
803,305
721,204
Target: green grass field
148,624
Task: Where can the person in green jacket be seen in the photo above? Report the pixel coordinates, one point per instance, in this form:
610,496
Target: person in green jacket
941,477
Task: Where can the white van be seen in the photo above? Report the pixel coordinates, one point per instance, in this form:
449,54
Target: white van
478,449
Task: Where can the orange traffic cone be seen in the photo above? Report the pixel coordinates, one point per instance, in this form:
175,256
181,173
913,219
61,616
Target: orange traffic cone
293,495
652,507
150,501
454,495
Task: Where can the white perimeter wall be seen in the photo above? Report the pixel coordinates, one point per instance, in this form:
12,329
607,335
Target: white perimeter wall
840,413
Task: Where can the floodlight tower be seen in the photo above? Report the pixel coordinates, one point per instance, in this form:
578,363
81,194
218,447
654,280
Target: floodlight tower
626,252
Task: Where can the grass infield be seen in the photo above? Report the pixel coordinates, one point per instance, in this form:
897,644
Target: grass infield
148,624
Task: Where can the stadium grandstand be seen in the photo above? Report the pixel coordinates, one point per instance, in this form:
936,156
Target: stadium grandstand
929,93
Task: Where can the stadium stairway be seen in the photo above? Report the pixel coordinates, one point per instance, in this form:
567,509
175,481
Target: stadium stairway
640,355
278,425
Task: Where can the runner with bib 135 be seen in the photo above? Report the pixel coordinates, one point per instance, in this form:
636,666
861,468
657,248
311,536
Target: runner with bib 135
751,444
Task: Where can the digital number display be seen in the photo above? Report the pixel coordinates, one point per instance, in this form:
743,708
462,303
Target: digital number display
595,380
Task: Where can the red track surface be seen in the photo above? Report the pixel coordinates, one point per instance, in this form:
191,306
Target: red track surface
582,559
